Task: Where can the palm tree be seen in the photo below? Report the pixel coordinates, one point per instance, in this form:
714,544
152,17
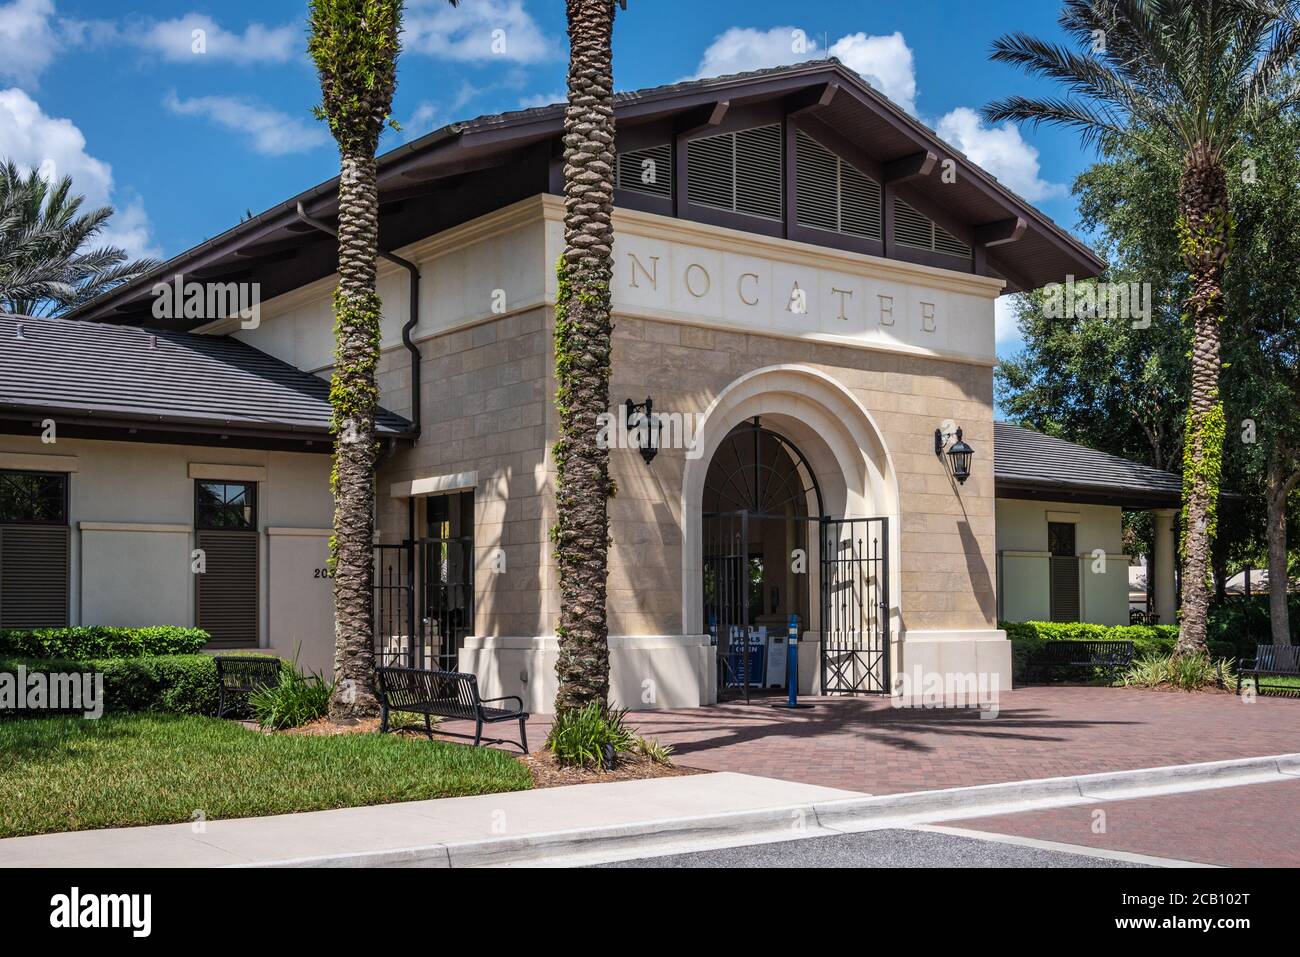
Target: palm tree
1188,78
43,270
354,44
582,353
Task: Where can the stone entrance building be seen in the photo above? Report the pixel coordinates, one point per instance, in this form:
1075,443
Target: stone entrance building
804,290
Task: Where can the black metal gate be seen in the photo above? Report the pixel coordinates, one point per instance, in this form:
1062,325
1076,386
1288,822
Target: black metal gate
399,637
424,593
726,598
855,605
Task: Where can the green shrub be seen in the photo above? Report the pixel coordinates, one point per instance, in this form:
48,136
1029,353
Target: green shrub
100,641
582,736
1189,673
170,684
297,699
1028,636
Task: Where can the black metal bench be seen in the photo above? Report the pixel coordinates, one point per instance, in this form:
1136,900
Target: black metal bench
448,694
1272,661
1110,656
238,675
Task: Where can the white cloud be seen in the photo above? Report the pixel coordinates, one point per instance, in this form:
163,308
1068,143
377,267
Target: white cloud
197,38
28,39
56,147
741,49
269,131
543,99
1001,151
1005,325
885,62
482,30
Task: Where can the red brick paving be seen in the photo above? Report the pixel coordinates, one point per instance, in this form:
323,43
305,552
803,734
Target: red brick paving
1252,825
863,744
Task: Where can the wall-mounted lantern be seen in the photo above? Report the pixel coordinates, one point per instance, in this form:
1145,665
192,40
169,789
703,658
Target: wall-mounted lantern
640,417
959,453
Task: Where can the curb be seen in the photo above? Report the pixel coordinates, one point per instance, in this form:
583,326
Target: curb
642,838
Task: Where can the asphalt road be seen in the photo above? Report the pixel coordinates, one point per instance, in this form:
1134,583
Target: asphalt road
886,848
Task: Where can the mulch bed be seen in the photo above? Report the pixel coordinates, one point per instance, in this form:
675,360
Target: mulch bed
549,773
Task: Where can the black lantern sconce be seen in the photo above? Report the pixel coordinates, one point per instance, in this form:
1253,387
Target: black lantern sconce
650,433
959,453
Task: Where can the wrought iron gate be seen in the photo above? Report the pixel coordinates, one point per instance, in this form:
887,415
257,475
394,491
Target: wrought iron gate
855,605
726,597
424,602
399,638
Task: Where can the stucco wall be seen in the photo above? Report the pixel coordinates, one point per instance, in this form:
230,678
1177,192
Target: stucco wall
1023,560
131,511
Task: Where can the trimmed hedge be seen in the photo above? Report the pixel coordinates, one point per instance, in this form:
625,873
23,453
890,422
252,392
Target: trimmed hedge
1028,636
101,641
171,684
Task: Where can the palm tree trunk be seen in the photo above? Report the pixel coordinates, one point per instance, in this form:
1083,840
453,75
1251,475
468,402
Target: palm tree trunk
1203,204
582,355
354,395
1280,486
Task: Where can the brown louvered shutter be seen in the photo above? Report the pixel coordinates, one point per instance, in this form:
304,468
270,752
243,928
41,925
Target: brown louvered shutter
635,165
1063,572
911,228
227,590
34,567
740,172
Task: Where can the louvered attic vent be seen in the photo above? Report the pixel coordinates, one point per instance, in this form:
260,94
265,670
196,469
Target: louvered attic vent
648,170
833,194
913,229
740,172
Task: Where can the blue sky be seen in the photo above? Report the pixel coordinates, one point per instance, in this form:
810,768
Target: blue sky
183,141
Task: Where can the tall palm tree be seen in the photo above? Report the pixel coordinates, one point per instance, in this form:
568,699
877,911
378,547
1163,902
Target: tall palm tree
354,44
582,353
1189,78
44,270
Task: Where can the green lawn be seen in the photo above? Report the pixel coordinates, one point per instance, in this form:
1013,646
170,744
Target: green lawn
67,774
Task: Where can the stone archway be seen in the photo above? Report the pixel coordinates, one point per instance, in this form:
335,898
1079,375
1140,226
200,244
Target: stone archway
844,448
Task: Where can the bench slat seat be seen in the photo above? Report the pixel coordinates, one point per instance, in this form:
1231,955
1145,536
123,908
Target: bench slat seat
447,694
239,675
1272,661
1108,655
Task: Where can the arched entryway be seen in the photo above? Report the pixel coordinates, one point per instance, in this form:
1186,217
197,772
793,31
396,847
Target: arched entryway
788,514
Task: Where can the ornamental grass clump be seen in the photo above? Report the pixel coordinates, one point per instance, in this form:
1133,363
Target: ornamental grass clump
592,736
1185,672
297,699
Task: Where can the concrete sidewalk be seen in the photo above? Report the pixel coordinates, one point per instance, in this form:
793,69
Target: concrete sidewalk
368,835
598,822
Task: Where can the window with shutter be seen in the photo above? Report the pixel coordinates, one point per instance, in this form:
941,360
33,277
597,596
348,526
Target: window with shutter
1063,572
34,549
225,521
832,194
911,228
648,170
739,172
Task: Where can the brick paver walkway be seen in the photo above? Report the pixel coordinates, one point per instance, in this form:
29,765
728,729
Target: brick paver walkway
863,744
1248,826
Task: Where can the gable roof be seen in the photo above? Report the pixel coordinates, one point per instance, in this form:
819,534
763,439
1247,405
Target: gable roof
1028,464
164,386
278,250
